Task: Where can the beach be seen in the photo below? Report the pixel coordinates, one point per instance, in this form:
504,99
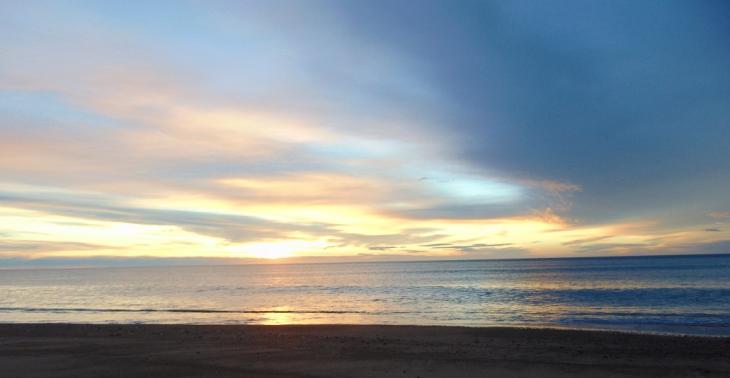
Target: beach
86,350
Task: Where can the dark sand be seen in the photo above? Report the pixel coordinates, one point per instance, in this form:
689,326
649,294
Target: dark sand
61,350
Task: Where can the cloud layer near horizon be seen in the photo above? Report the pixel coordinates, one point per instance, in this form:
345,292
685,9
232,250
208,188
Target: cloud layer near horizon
288,129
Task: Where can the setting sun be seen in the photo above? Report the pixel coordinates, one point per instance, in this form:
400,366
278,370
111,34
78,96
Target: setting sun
277,249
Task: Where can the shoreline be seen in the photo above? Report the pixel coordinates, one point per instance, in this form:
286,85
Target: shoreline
92,350
650,330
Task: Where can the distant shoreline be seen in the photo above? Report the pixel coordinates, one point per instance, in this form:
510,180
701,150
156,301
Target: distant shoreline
155,262
86,350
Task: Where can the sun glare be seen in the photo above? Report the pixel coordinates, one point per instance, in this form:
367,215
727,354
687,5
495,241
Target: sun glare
276,249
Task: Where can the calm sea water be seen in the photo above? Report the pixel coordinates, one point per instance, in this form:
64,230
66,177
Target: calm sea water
684,294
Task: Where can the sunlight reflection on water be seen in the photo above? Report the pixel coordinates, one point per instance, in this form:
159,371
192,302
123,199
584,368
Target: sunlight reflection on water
672,294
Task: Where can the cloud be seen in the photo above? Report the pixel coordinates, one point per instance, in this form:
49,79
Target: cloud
478,128
107,261
496,253
656,248
614,248
20,247
719,246
382,247
587,240
466,247
581,93
234,228
719,214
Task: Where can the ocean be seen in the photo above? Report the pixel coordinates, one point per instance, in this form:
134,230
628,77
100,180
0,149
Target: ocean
664,294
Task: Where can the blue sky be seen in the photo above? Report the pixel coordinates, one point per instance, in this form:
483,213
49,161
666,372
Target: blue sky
362,130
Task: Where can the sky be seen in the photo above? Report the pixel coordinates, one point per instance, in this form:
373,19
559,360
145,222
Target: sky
206,131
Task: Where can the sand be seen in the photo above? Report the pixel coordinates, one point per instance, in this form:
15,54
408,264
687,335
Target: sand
64,350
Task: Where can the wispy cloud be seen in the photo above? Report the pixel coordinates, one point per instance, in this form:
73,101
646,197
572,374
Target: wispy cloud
719,214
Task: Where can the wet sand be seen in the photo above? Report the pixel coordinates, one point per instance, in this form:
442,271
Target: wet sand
63,350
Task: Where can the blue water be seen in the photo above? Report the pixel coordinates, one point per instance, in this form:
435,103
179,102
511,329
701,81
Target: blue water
678,294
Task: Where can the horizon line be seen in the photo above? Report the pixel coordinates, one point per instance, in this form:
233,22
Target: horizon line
282,262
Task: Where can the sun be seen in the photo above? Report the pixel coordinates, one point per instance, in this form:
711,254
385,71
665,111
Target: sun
277,249
270,251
